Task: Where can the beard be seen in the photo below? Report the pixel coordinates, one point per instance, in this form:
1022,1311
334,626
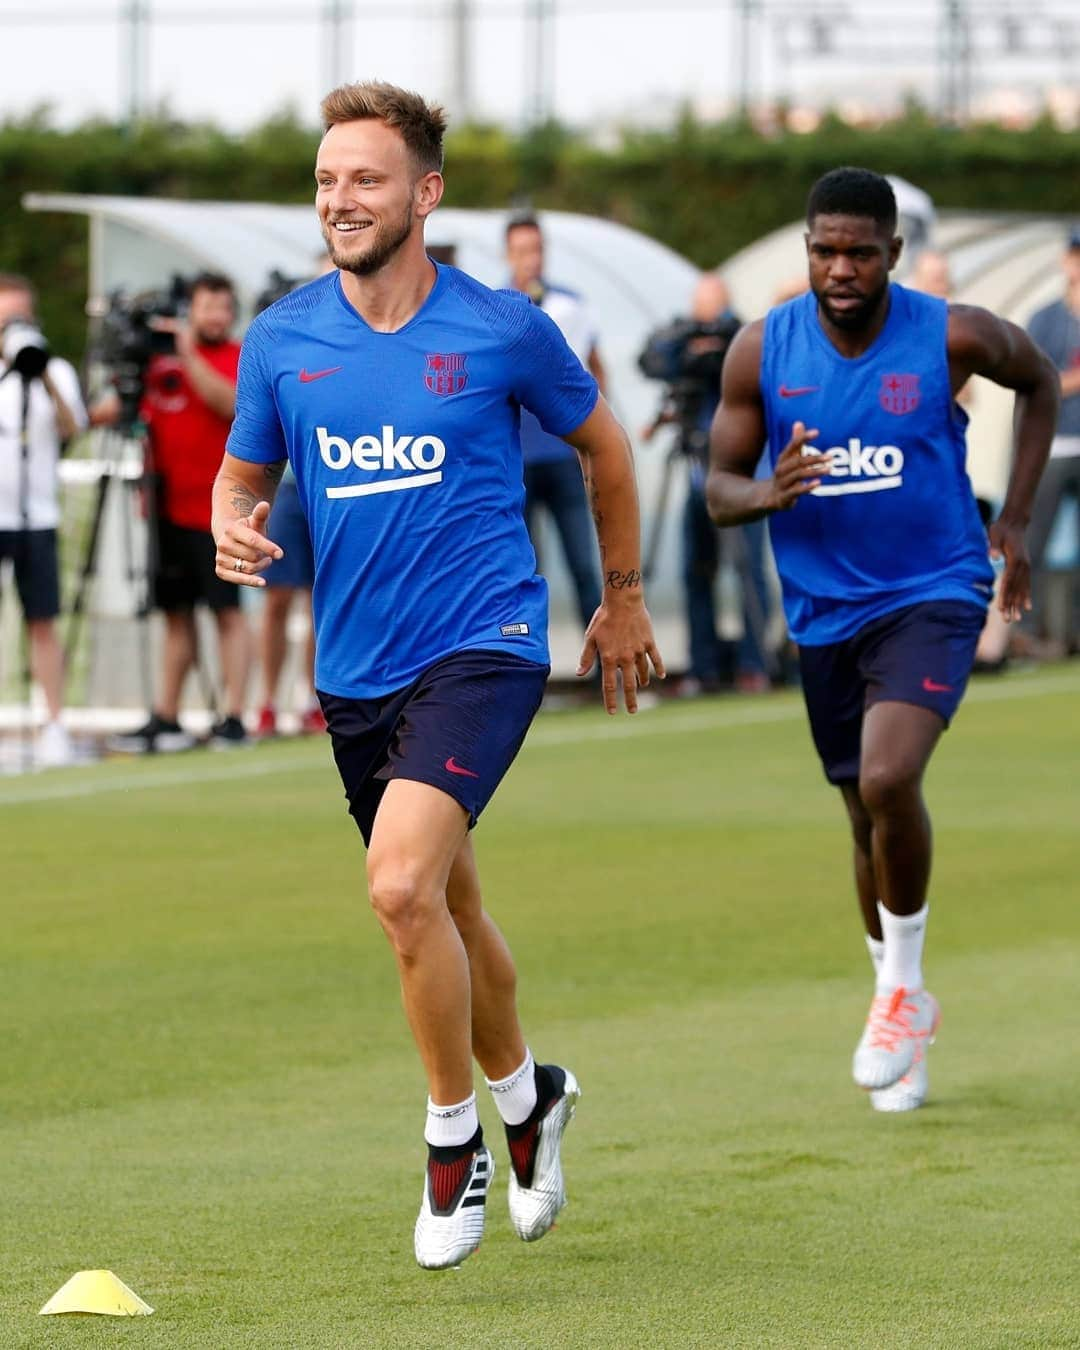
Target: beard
388,240
858,317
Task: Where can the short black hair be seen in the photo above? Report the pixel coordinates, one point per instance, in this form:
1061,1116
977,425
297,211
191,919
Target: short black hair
853,192
523,220
212,281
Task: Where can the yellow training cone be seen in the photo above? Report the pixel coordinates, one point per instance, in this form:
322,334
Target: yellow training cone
97,1291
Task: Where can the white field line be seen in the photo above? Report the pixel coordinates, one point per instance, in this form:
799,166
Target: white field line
234,765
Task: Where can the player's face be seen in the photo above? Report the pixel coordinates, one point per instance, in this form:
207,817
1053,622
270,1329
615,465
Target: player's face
525,256
211,315
368,193
850,261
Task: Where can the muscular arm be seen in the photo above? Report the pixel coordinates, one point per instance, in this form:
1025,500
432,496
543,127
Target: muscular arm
242,496
738,437
980,343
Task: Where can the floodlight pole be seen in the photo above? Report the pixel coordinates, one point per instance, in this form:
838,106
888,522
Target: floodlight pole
461,75
134,27
337,41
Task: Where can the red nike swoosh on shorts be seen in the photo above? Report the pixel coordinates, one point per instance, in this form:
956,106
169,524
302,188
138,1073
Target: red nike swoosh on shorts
785,392
456,768
306,376
932,688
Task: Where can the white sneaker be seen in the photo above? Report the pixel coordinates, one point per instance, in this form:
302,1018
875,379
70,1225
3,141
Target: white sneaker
896,1024
537,1189
907,1093
54,748
451,1219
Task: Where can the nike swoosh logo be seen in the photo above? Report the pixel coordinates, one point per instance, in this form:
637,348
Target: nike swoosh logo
456,768
306,376
785,392
932,688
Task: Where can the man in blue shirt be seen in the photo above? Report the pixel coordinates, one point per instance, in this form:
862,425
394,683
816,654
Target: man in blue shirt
880,550
393,388
552,471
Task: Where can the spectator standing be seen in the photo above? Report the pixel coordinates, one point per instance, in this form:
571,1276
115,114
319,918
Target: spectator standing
188,406
553,478
39,413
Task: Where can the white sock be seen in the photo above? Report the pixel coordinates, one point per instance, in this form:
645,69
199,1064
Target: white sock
876,948
904,935
450,1126
515,1096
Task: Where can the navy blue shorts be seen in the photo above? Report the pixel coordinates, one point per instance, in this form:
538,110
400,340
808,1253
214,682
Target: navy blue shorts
184,575
288,527
37,573
458,727
921,654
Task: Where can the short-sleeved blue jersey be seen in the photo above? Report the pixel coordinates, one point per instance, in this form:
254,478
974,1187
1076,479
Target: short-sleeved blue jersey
407,458
895,523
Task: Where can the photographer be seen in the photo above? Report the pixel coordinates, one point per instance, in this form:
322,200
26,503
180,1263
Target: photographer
188,400
689,355
41,408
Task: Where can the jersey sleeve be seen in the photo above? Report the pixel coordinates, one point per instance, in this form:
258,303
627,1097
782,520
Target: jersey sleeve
548,379
257,434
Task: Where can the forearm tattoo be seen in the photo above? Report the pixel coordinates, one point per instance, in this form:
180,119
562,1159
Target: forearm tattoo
242,500
623,581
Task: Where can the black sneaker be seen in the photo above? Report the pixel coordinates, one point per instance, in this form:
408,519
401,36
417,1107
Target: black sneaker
157,735
228,734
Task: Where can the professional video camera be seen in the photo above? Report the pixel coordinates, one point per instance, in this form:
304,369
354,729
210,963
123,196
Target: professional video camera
277,285
126,339
688,356
24,349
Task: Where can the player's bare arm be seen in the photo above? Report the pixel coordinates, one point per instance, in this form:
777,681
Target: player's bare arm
737,438
620,633
982,344
243,495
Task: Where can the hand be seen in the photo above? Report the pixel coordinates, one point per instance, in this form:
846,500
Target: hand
621,635
1014,591
243,541
796,474
182,335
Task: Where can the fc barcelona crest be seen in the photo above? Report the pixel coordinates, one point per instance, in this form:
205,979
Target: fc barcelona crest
446,373
899,393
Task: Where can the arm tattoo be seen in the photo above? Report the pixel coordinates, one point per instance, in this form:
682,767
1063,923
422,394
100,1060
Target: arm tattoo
623,581
276,471
243,501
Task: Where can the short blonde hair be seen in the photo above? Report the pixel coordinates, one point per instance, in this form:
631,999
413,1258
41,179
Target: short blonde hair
421,124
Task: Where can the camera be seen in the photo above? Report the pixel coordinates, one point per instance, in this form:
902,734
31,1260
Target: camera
24,348
688,355
126,339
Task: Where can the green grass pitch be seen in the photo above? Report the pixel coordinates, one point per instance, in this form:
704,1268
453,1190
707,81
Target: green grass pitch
207,1086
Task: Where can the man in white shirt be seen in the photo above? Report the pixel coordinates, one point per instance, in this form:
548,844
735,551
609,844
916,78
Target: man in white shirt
37,415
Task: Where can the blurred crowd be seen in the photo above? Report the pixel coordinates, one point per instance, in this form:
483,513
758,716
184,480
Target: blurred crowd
734,630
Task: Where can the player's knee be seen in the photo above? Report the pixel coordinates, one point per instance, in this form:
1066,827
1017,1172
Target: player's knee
886,788
402,903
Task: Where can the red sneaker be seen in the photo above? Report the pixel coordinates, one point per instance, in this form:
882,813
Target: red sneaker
313,723
266,726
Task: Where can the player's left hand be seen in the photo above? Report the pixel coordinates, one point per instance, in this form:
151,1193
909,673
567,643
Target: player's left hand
621,637
1014,592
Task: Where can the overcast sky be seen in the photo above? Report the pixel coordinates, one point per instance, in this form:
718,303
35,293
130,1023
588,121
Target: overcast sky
612,59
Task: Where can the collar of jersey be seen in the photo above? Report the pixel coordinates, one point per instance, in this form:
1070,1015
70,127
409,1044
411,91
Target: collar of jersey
893,321
421,313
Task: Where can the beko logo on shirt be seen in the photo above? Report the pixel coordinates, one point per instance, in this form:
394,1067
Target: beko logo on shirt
417,456
866,468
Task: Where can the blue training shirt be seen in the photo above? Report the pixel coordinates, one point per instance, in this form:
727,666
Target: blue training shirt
407,458
895,523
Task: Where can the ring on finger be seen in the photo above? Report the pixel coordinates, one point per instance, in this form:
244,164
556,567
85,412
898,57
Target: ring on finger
238,565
